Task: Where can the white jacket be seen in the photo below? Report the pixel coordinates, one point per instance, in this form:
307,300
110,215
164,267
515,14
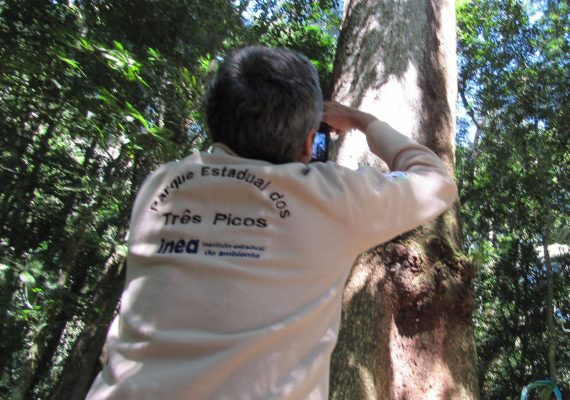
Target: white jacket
236,269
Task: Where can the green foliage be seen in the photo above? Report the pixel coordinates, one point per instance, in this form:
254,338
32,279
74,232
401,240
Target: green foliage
93,96
310,27
514,181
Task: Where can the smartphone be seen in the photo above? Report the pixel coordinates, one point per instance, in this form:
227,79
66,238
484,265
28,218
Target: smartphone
321,144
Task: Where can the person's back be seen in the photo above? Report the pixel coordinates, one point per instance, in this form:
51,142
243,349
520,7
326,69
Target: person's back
237,264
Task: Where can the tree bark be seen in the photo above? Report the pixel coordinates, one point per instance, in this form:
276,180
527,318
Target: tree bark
550,327
22,206
406,330
83,362
58,315
18,223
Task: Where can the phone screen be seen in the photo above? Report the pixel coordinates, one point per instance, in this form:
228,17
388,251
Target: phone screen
321,144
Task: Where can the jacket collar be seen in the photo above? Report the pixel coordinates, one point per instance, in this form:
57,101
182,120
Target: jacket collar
222,148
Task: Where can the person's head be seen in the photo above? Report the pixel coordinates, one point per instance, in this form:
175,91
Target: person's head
264,103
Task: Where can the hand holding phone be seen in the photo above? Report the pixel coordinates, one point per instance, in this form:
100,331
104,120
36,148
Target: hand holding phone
320,151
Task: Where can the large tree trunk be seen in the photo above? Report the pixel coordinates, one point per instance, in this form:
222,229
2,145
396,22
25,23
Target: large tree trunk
406,331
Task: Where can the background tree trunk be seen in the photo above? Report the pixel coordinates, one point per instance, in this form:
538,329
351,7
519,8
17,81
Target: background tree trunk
551,327
406,331
83,364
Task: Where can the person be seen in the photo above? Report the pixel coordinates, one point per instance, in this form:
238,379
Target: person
238,257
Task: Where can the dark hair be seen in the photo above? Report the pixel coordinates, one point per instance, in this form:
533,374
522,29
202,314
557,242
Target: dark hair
263,102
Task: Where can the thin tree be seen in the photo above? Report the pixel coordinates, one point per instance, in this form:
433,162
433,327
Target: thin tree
406,331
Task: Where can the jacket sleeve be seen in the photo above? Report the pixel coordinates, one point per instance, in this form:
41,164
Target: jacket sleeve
384,205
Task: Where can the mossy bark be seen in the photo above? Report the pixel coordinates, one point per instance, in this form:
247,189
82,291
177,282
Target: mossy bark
406,330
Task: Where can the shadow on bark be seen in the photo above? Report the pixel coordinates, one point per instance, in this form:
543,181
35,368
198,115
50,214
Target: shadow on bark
357,358
378,41
406,324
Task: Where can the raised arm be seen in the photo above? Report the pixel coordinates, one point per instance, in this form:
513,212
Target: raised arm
386,205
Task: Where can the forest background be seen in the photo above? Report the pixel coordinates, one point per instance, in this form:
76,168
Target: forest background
95,94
